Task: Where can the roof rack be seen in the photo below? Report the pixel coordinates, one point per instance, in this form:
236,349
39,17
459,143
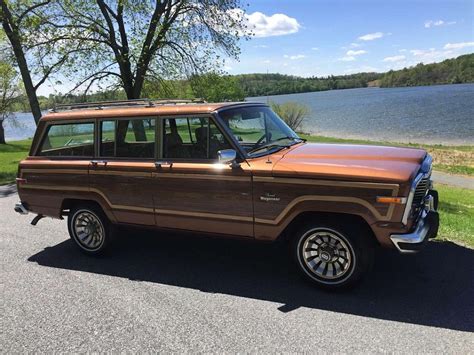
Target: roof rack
100,105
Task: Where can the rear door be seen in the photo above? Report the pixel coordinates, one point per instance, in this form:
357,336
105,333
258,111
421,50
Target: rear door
191,191
122,171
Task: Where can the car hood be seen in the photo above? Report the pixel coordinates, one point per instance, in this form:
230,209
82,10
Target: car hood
355,162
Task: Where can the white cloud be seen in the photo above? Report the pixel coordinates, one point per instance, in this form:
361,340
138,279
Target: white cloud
275,25
362,69
347,59
395,58
260,46
432,23
402,50
354,45
432,55
315,49
294,57
460,45
371,36
266,61
352,53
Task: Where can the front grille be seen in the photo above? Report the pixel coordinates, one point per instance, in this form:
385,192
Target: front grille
421,190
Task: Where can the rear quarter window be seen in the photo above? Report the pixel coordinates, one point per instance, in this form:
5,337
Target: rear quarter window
74,139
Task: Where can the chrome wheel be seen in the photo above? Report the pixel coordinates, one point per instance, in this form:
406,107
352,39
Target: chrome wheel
326,255
88,230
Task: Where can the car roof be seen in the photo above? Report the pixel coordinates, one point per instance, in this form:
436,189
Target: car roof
145,111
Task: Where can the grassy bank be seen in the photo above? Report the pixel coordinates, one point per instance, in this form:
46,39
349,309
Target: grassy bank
456,210
451,159
10,156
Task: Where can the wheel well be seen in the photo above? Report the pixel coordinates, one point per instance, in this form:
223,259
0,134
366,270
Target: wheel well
69,203
327,217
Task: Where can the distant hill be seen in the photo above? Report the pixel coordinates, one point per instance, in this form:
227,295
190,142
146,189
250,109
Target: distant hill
451,71
277,84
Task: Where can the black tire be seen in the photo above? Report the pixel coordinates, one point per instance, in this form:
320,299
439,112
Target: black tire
97,231
348,249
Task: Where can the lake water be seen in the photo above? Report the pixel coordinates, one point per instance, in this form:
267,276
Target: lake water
429,114
425,114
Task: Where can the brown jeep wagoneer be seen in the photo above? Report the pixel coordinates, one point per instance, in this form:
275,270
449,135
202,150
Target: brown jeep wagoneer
232,169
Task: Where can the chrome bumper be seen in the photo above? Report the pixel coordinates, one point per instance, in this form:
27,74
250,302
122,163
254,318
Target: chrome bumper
20,208
426,228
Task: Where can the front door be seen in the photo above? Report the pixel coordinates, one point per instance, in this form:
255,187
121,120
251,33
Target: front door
191,190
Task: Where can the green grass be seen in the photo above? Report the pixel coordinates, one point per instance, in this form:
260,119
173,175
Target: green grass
10,156
456,209
451,159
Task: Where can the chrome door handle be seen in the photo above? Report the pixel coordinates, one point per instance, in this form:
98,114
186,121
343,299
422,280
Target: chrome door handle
97,162
163,164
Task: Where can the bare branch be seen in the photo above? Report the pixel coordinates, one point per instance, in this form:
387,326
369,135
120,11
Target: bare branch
31,9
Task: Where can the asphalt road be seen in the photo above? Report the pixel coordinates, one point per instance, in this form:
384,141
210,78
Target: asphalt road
175,293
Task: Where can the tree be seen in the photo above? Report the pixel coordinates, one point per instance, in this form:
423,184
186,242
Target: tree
9,92
39,51
217,88
132,41
293,113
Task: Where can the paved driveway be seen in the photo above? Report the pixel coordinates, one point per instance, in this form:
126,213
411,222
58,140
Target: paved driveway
176,293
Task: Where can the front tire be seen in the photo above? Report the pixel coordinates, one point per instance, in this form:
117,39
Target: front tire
331,256
90,229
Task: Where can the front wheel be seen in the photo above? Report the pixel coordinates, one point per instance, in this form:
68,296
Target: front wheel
332,257
90,229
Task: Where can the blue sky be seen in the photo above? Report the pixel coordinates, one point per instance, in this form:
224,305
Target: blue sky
326,37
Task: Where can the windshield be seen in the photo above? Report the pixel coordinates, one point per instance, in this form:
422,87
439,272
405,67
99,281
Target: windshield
259,130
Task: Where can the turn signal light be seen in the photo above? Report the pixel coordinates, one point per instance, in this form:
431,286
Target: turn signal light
396,200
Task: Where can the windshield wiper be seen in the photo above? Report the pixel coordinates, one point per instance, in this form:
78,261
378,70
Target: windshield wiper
290,138
273,145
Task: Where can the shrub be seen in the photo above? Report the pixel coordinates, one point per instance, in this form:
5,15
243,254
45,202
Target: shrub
293,113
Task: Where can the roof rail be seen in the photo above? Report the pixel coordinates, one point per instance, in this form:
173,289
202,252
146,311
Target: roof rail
99,105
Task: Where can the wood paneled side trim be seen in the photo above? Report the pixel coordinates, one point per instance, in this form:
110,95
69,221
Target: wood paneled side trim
202,176
120,173
366,185
204,215
139,209
297,200
86,189
140,174
55,171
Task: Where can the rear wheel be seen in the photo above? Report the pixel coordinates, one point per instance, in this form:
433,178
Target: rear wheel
332,256
90,229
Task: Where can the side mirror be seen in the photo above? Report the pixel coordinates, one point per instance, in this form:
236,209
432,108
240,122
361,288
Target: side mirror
227,156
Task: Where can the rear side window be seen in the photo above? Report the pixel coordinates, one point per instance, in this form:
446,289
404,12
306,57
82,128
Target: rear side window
133,138
75,139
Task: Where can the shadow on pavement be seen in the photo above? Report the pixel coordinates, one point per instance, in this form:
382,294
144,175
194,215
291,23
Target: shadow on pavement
433,288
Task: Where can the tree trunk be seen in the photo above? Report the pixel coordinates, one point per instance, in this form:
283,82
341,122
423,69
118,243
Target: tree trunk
138,127
2,133
13,35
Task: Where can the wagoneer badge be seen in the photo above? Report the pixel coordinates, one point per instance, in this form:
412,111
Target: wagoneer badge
269,197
